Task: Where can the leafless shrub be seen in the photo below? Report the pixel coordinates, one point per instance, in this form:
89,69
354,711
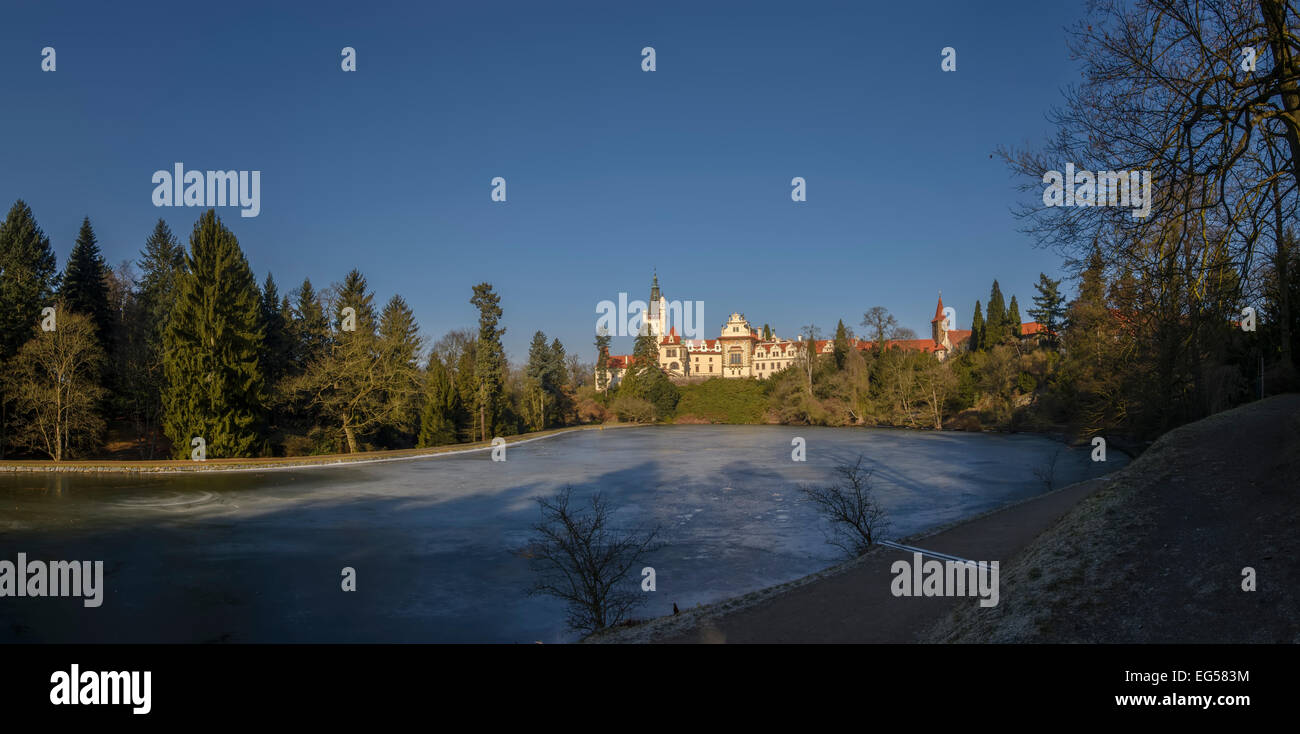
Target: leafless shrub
856,518
579,559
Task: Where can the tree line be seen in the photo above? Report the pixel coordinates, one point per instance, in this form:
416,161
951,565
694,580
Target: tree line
138,360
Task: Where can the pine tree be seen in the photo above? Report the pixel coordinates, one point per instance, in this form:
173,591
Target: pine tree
977,329
84,289
490,359
1013,321
841,352
995,319
1049,307
212,349
27,267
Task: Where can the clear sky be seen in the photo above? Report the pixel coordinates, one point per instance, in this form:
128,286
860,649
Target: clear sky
611,171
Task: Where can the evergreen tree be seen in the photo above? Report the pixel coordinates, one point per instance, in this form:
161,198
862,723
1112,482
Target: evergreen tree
602,360
1013,321
437,420
977,329
162,262
27,267
1049,307
995,319
538,406
355,293
84,289
142,379
275,330
311,330
490,359
466,385
841,348
212,349
399,351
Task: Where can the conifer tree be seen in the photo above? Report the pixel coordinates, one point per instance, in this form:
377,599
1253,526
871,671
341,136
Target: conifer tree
1013,321
1049,307
841,349
602,361
977,329
490,360
437,420
212,349
84,289
275,334
399,351
311,330
27,267
995,319
161,264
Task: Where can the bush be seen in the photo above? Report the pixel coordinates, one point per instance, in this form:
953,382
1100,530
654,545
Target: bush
719,400
633,409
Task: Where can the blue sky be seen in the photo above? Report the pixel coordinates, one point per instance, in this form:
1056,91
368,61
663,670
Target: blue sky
611,171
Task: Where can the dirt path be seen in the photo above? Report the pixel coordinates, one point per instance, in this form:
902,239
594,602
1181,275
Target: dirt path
1223,488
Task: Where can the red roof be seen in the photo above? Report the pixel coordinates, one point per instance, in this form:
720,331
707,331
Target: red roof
938,311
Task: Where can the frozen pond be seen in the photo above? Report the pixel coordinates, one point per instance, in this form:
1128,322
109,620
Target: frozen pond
256,557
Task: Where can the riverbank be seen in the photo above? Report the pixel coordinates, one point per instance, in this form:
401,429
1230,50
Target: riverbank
273,463
1151,552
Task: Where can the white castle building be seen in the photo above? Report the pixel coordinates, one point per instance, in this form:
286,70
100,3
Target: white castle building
741,352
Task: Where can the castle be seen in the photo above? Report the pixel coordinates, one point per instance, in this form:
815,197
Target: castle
740,351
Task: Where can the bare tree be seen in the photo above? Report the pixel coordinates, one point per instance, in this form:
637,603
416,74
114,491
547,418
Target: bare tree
856,517
937,383
56,387
580,559
1046,473
880,325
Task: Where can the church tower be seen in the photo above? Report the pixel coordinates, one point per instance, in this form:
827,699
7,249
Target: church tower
658,316
938,330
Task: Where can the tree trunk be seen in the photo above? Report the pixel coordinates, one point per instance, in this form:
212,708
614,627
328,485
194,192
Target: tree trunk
352,438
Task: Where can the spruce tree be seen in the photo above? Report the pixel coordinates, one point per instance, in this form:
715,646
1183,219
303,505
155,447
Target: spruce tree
275,332
538,403
212,349
1049,307
355,293
399,353
977,329
161,264
84,289
27,267
490,359
311,328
